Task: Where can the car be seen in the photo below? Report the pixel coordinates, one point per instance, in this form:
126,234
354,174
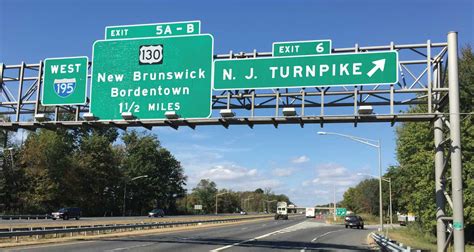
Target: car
354,221
67,212
243,213
156,212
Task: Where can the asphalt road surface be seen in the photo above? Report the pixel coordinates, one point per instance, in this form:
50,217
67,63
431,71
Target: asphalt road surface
295,234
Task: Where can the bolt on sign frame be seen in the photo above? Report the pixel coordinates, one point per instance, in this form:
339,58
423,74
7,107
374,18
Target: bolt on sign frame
423,71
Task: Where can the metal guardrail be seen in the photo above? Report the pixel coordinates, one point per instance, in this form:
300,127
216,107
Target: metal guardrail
25,216
37,231
386,244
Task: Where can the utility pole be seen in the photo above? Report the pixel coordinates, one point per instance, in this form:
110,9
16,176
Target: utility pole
455,133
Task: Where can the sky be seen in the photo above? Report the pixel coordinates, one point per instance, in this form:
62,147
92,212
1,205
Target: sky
290,160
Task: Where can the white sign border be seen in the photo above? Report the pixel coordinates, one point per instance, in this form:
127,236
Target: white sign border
85,89
165,23
302,41
166,37
305,86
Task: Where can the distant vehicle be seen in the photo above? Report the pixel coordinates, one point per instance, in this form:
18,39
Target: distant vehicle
282,211
66,213
243,213
310,212
156,212
354,221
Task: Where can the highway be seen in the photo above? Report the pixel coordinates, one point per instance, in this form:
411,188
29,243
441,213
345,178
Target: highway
295,234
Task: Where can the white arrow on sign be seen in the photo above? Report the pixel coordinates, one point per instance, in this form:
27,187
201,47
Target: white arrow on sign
379,64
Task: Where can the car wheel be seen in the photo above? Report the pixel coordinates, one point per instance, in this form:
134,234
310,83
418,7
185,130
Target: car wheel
362,227
78,217
54,218
358,227
346,226
65,217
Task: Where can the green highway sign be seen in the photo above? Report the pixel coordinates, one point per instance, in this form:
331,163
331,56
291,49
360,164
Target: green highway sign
153,30
307,71
64,81
148,77
294,48
341,212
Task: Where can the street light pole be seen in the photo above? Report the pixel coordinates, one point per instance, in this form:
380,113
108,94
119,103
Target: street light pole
389,180
390,196
125,191
380,185
216,198
369,142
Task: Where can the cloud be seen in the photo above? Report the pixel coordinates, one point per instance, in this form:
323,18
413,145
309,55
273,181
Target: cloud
233,172
300,160
283,172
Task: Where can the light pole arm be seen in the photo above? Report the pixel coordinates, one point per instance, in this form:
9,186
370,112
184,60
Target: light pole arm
355,138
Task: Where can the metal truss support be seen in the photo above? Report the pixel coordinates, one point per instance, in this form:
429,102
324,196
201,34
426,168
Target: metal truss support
455,148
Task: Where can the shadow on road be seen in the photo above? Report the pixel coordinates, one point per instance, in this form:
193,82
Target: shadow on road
274,244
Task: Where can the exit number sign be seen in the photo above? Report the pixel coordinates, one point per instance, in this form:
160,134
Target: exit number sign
296,48
153,30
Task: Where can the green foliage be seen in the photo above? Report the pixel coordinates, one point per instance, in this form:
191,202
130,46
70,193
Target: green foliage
228,201
83,168
363,198
413,188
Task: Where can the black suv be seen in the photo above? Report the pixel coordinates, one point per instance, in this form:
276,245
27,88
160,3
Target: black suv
66,213
354,221
156,213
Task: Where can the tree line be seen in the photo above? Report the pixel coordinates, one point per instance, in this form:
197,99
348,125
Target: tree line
413,187
89,169
206,195
107,174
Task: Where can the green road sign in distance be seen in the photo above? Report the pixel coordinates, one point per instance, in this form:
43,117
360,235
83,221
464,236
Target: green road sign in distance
64,81
341,211
307,71
294,48
151,76
153,30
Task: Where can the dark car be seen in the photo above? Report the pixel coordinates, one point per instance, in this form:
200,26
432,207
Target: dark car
66,213
156,213
354,221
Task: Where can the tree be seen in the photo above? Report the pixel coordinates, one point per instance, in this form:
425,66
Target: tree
413,179
98,173
143,155
205,192
46,163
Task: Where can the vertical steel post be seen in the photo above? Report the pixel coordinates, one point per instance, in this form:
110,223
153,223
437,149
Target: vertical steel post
455,133
439,184
439,177
20,91
379,147
390,193
334,185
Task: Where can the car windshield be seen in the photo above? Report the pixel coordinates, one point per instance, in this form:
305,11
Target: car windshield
62,210
155,210
351,218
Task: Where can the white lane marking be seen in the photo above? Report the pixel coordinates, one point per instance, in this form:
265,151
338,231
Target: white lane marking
131,247
249,240
317,237
244,228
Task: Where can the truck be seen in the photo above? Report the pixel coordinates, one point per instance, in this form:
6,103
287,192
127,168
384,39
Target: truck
310,212
282,211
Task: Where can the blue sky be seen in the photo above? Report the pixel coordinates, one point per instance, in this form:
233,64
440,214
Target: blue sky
289,159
